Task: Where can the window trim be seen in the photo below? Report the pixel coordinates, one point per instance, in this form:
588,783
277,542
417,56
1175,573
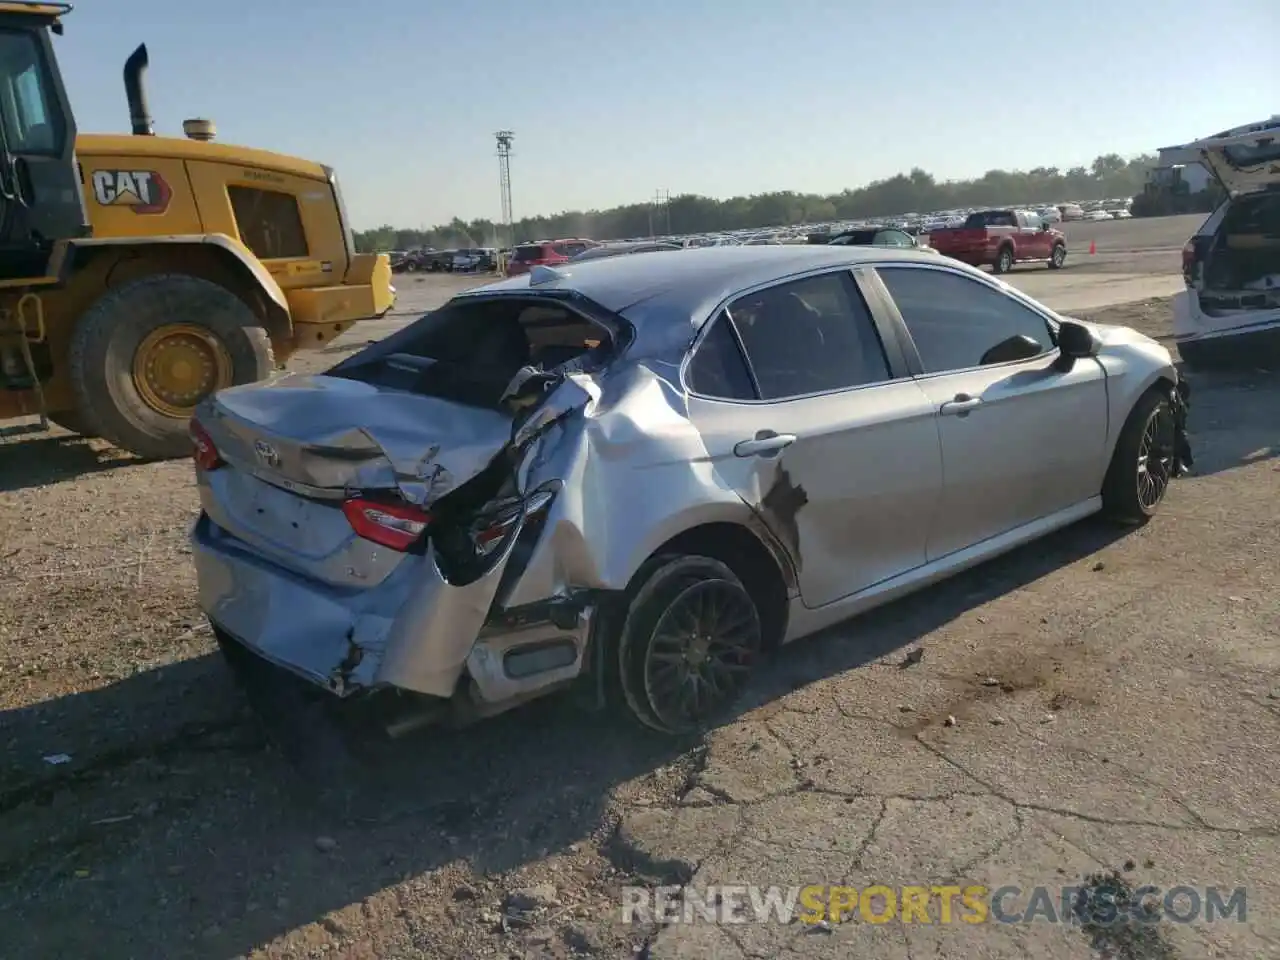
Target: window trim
894,358
1051,320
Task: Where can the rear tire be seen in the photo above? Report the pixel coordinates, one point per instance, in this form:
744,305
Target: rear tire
109,334
1142,465
1058,258
690,626
1004,261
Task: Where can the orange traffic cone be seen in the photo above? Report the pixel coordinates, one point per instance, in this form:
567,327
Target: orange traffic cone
1093,247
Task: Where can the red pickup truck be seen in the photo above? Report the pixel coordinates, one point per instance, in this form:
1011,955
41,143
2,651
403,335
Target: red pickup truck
1001,238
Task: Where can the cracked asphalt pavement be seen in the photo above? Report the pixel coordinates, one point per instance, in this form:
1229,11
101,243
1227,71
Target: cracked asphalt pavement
1101,702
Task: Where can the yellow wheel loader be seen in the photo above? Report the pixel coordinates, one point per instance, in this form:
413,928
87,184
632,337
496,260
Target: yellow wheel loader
139,273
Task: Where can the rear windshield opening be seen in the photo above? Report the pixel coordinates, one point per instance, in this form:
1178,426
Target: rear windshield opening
857,238
531,252
471,352
990,218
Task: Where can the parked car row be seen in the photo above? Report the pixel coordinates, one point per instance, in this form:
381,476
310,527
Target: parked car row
464,260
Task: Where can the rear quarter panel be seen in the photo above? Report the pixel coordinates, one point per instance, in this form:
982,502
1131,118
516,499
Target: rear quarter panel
635,474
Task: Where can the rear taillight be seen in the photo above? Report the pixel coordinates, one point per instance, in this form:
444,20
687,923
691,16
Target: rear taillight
1188,259
399,526
205,453
490,530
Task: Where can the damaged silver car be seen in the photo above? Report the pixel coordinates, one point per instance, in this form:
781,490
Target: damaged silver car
639,474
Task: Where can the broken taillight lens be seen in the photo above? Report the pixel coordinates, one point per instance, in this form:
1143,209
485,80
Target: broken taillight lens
1188,260
205,452
399,526
490,530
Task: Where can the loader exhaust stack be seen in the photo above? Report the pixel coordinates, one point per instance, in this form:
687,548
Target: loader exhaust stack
139,115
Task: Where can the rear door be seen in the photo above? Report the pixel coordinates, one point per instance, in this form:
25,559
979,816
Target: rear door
1020,439
807,415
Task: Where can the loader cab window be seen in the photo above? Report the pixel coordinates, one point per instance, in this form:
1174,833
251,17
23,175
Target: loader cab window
31,122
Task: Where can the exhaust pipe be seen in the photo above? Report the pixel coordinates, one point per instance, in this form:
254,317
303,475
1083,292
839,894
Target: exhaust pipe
139,115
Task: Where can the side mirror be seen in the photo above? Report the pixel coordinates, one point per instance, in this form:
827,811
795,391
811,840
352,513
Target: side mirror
1044,227
1075,342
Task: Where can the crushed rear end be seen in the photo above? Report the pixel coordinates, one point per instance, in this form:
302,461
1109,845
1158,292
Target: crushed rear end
363,533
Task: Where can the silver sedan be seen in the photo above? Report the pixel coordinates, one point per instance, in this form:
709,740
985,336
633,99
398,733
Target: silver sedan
639,474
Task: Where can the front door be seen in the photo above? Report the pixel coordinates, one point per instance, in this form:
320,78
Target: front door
840,459
1033,239
1020,439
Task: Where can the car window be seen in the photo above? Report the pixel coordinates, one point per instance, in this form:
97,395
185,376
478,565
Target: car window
809,336
892,238
954,321
24,97
1034,221
718,368
990,218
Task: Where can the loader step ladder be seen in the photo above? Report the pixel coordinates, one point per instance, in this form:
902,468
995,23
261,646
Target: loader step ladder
21,327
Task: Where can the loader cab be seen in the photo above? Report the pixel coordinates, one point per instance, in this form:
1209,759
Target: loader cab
41,201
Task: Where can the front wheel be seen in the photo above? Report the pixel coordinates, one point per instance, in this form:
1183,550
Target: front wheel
1143,463
1058,257
688,644
1004,261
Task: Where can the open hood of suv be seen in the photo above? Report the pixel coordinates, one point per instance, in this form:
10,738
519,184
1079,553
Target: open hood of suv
1244,160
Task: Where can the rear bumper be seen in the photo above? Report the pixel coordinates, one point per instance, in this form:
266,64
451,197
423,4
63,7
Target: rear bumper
413,632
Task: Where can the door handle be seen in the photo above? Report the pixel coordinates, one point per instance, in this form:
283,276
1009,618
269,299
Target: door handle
960,406
766,443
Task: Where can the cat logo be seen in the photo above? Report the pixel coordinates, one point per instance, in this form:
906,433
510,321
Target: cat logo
143,190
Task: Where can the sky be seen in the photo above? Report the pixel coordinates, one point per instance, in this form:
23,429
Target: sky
613,101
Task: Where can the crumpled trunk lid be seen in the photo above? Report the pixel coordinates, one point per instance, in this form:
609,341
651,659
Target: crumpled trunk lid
324,436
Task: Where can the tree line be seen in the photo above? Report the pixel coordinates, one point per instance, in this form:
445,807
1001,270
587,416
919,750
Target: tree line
1108,176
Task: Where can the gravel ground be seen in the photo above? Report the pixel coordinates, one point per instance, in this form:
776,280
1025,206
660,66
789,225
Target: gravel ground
145,816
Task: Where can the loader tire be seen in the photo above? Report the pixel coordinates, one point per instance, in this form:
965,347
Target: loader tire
204,320
71,421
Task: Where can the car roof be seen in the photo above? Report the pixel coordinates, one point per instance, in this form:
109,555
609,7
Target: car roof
689,281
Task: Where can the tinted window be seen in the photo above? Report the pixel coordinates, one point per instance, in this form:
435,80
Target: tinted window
25,97
954,321
991,218
528,252
718,369
571,249
892,238
854,238
809,336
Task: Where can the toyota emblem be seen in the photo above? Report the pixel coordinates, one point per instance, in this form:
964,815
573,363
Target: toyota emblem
266,453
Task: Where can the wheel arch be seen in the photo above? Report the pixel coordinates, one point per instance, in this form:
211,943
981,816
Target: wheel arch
763,569
1164,380
215,257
